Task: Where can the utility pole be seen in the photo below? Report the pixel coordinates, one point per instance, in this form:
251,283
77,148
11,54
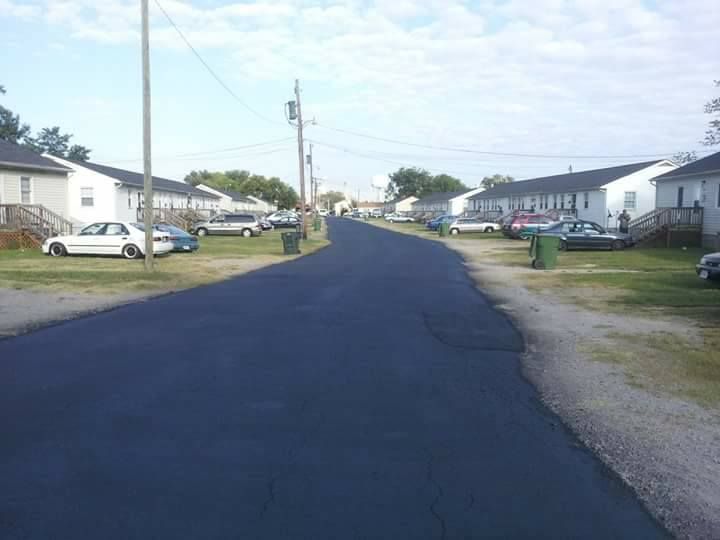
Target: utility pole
313,194
147,159
301,156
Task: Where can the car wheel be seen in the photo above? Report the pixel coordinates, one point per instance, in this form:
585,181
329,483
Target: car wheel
57,250
489,229
563,245
201,232
247,233
391,221
131,251
454,231
618,245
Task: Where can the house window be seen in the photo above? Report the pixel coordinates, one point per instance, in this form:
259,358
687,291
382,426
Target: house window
25,190
562,201
586,200
86,196
680,196
555,202
573,200
630,200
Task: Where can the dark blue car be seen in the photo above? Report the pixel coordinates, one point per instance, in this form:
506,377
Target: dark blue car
181,240
434,224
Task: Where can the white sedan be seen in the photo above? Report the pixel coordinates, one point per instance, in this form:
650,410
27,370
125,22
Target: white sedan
108,238
397,218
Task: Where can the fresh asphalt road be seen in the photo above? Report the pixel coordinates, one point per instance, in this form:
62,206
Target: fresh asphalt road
367,391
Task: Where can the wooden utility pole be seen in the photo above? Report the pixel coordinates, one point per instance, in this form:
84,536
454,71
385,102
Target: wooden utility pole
301,157
148,209
313,201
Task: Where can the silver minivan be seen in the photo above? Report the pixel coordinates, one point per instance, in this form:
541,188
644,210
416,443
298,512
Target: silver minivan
246,225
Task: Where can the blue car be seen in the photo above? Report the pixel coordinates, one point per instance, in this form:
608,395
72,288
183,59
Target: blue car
434,224
181,240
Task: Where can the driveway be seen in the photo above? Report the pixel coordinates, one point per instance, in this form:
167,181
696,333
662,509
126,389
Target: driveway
368,391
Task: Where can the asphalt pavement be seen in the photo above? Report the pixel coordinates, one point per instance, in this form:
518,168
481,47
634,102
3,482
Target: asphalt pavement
367,391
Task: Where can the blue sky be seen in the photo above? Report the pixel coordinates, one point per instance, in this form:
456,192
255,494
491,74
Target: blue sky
591,77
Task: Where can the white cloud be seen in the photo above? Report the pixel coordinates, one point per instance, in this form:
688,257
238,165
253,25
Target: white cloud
14,9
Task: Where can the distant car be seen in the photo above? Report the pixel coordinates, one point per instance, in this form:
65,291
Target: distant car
581,234
376,213
108,238
287,222
709,267
525,225
397,218
280,214
181,240
472,225
434,224
246,225
356,214
323,212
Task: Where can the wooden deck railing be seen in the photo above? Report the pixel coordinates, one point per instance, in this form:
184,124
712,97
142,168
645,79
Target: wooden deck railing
663,218
35,218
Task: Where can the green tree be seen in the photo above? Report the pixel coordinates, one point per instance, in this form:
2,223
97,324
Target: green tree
712,135
495,179
269,189
50,141
444,183
683,158
330,198
11,128
408,181
78,153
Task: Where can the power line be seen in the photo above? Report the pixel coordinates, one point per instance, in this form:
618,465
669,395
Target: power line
503,154
205,152
211,71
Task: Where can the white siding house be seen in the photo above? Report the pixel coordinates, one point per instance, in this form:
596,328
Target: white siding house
454,202
232,201
29,178
598,195
695,185
98,192
401,205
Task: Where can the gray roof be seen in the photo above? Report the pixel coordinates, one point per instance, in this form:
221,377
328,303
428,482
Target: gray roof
19,157
577,181
235,195
441,196
705,165
399,199
136,180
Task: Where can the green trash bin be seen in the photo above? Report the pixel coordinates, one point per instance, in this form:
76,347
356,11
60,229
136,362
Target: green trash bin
444,228
291,243
317,224
544,251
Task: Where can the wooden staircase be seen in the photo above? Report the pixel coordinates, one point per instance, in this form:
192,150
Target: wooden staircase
650,226
33,219
183,218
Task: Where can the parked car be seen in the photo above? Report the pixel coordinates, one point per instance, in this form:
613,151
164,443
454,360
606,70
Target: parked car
434,224
280,214
709,267
527,224
472,225
376,213
356,214
581,234
246,225
397,218
287,222
107,238
181,240
323,212
265,224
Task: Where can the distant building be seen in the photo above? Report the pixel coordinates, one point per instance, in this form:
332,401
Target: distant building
369,206
232,201
401,205
453,202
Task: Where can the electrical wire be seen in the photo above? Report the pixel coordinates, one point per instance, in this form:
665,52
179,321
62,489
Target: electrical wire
502,154
211,71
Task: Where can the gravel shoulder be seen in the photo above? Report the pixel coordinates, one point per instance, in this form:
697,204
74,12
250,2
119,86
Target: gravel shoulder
666,448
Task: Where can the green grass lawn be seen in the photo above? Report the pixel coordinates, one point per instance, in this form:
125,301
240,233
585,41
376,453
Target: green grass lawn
217,258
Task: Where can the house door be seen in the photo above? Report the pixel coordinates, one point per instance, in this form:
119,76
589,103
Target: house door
680,196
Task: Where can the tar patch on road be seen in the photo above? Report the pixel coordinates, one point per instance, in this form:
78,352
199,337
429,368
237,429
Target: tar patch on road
470,330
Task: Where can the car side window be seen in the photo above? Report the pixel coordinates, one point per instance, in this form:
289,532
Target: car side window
94,229
115,229
218,219
589,228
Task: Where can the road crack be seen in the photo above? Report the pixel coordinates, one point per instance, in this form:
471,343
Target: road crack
436,500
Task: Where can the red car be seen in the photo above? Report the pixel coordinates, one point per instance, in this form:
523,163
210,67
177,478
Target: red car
515,224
